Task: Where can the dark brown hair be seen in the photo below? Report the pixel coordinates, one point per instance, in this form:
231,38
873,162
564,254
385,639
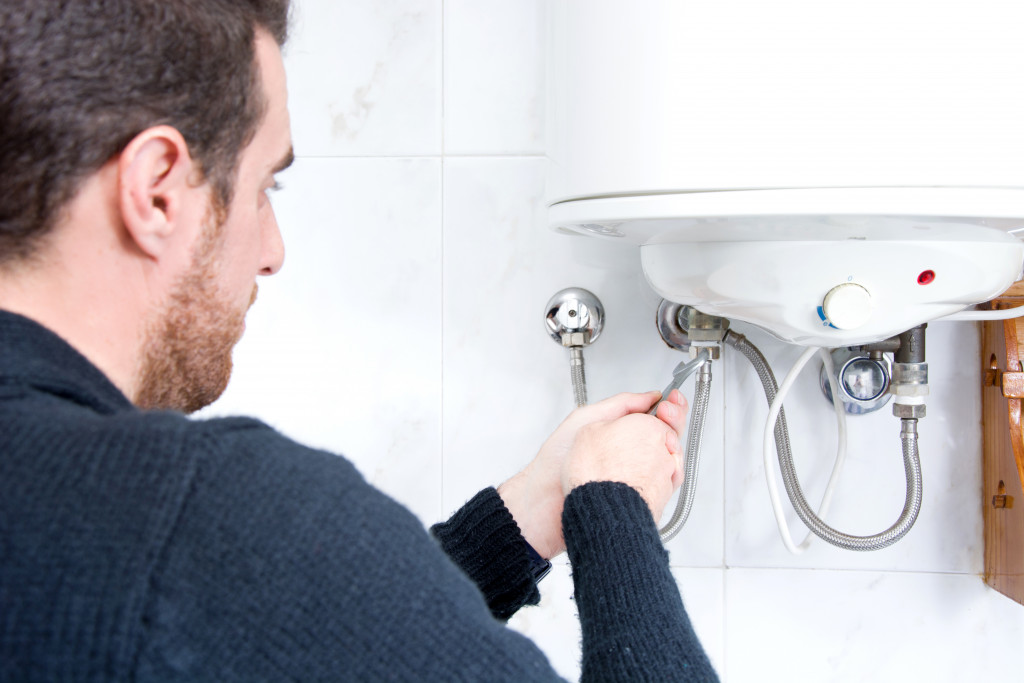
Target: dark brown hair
80,78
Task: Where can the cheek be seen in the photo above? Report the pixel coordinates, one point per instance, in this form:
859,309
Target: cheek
241,261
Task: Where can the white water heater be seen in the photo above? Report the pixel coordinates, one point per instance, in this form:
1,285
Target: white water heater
836,172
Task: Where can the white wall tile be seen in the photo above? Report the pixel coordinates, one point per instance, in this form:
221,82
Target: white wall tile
799,625
506,382
499,400
703,592
554,623
364,77
342,350
494,76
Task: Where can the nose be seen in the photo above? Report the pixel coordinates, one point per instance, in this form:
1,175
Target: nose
272,255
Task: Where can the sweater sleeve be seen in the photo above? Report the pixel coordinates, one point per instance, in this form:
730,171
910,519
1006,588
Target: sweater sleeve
484,540
634,624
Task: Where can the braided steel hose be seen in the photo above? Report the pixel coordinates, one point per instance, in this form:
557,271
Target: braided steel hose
698,415
911,465
578,375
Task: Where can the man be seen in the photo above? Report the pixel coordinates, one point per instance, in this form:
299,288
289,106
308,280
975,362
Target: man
138,141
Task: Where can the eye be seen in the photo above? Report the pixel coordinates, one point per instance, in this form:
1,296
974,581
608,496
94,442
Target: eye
264,195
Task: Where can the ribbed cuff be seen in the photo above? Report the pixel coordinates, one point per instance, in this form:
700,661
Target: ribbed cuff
633,620
485,541
610,533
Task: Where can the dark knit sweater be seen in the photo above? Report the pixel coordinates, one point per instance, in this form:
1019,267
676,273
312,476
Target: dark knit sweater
146,546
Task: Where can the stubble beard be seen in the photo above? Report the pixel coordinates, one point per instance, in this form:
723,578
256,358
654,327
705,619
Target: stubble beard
186,359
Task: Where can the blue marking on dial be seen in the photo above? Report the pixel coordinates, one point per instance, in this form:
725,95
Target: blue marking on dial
821,314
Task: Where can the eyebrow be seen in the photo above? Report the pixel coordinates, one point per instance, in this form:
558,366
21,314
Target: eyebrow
286,161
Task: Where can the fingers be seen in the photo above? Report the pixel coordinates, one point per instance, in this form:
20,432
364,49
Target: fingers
636,449
675,448
677,397
624,404
672,411
677,476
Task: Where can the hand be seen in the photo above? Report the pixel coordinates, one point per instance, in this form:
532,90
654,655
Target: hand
638,450
535,496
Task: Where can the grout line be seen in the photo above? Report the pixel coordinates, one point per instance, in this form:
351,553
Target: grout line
444,206
725,625
499,155
725,522
857,570
477,155
444,148
725,451
441,290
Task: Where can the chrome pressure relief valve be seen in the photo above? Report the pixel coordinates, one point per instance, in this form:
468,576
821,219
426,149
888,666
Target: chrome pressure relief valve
574,318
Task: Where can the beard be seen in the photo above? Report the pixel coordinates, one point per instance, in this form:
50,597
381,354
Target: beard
186,358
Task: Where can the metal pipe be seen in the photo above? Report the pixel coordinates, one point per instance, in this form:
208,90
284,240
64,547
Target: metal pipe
687,491
911,465
578,375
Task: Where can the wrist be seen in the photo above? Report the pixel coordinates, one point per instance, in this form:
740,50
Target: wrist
537,511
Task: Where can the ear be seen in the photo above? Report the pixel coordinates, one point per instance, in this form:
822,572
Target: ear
154,172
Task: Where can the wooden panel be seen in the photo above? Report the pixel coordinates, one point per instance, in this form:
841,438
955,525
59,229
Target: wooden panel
1003,448
1015,290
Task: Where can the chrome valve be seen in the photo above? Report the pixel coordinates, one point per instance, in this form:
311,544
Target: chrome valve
574,318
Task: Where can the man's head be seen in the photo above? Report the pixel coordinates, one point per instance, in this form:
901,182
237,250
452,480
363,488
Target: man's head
186,360
79,80
138,139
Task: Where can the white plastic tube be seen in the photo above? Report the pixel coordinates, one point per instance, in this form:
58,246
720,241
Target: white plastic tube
769,441
1001,314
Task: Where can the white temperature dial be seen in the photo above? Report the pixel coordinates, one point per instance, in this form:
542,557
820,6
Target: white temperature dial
847,306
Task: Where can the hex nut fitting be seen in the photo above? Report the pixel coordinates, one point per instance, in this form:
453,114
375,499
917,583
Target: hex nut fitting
910,373
909,412
909,379
570,339
714,349
702,327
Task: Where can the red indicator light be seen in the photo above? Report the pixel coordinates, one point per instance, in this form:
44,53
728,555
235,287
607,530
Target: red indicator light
926,278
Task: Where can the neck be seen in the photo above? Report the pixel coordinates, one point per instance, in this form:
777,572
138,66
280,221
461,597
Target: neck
78,288
71,316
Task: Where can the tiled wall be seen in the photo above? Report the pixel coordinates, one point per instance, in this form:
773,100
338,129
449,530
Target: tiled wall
405,331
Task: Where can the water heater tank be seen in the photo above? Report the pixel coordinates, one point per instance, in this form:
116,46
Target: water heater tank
836,172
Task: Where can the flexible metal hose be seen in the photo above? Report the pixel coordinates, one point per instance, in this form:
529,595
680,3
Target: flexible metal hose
767,377
579,378
698,415
911,466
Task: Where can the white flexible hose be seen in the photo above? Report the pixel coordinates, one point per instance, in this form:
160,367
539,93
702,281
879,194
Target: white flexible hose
769,441
1001,314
